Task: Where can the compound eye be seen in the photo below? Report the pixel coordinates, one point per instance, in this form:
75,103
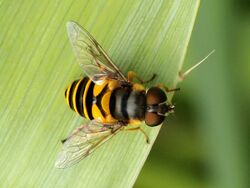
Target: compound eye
155,96
152,119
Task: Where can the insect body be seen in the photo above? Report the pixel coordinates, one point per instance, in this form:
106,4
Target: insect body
111,102
107,98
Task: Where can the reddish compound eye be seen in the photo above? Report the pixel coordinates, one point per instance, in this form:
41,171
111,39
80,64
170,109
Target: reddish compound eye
155,96
153,119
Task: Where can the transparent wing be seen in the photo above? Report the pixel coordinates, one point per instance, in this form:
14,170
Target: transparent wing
91,56
83,141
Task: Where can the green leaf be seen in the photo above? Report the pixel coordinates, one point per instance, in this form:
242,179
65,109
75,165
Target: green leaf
37,63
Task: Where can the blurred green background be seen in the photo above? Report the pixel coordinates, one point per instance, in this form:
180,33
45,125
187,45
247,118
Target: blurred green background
206,142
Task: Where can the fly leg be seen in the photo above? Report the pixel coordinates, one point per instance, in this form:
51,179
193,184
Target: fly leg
165,88
132,75
141,130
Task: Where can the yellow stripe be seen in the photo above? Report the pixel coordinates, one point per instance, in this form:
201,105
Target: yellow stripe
105,102
97,113
134,122
138,87
98,88
67,94
74,96
84,99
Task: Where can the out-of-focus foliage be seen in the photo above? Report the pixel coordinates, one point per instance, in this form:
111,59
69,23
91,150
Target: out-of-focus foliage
206,143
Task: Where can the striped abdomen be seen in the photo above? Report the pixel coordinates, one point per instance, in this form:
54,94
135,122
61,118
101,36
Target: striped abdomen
76,95
90,100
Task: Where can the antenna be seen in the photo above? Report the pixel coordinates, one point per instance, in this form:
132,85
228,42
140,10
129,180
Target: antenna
182,76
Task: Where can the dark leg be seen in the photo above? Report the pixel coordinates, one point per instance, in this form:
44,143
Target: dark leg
167,89
142,131
132,75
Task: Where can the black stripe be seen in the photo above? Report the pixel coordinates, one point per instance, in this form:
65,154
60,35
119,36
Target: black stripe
79,96
99,100
89,100
140,102
124,104
112,103
71,91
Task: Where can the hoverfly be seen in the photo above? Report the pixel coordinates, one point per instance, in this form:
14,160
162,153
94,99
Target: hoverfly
107,98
